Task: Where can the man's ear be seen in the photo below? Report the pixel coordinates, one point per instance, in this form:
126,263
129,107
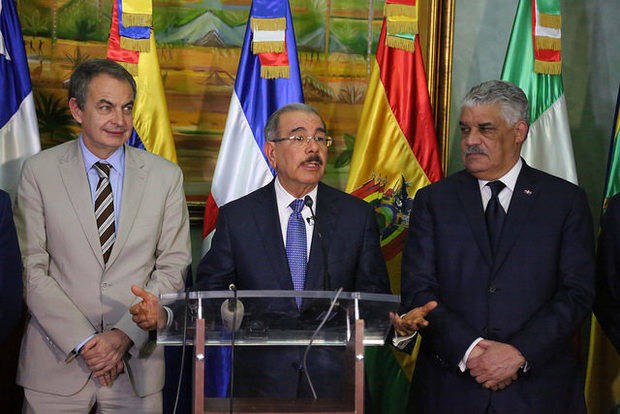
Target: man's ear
75,110
270,152
521,129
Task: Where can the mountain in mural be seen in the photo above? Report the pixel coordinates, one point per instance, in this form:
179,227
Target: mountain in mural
205,30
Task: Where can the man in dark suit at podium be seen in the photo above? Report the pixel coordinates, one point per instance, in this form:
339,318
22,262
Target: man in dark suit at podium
507,252
270,240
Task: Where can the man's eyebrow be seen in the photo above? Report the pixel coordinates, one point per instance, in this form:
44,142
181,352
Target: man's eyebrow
298,129
104,101
485,124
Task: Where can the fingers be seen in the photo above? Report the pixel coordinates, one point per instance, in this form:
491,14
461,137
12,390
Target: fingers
138,291
428,307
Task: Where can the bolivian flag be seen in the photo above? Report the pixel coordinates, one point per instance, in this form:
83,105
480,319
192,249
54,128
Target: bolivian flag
395,154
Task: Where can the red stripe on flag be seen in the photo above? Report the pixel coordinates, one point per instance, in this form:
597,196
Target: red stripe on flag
403,2
274,58
115,52
404,80
211,210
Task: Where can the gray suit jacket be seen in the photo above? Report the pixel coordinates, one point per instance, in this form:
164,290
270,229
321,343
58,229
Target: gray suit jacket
69,291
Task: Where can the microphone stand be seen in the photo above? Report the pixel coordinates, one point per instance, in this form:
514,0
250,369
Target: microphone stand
232,307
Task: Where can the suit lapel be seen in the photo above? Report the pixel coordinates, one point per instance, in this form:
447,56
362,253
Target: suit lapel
521,203
268,222
326,208
134,184
73,174
469,193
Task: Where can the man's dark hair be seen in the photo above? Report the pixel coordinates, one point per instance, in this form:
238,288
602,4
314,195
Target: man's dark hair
88,70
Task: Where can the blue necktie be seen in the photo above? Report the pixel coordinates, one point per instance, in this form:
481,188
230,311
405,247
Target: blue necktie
296,246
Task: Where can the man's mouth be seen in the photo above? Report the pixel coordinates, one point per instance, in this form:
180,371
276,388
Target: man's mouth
313,162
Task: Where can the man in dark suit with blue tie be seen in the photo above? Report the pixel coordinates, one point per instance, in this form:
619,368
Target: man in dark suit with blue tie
11,290
507,252
268,240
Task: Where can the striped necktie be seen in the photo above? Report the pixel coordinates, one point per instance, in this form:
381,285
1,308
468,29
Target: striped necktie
104,210
296,252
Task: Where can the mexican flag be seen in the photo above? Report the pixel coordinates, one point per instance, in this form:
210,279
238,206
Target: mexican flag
533,62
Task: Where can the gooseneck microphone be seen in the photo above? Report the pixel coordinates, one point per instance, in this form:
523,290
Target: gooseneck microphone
317,227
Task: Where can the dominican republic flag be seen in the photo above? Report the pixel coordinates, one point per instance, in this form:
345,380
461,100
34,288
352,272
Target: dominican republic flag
267,78
19,133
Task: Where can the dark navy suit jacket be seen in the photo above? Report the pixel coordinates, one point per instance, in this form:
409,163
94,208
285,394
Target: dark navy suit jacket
11,283
607,303
533,295
248,250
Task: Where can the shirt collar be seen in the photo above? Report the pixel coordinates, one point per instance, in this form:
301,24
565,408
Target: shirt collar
284,198
509,179
116,160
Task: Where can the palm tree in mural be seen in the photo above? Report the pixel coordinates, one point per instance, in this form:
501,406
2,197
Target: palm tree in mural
344,158
55,121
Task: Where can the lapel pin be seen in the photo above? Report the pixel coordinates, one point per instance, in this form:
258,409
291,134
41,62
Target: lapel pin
527,192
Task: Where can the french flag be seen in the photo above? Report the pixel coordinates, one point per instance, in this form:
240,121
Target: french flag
19,133
267,78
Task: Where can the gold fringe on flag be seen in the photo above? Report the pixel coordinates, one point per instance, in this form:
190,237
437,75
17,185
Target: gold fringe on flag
552,43
278,23
134,19
402,26
549,68
131,67
401,10
550,20
400,43
139,45
266,47
273,72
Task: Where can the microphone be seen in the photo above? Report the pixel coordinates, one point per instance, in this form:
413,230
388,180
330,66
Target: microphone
232,311
326,279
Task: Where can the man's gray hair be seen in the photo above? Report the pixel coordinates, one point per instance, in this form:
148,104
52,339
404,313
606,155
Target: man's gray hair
514,104
88,70
272,128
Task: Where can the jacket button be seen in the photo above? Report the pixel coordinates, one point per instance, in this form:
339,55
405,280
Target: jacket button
492,289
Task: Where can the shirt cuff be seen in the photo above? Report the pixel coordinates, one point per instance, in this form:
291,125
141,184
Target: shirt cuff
170,316
401,342
77,348
463,363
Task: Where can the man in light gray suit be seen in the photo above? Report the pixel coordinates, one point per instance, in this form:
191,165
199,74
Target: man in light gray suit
94,217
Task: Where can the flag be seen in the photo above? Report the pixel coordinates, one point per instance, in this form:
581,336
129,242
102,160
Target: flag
267,78
395,154
533,62
19,133
603,378
152,129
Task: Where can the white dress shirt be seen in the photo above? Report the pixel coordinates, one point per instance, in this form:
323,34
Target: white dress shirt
283,200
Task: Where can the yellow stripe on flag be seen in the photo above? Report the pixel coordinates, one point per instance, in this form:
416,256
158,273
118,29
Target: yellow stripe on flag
137,13
388,157
150,116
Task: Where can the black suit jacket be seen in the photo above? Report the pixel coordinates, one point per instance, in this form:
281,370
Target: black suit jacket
533,295
248,250
607,303
11,288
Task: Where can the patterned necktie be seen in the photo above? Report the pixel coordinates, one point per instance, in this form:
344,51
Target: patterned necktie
296,252
104,210
494,214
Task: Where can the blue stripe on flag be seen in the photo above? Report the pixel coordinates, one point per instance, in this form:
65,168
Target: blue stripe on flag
135,141
14,74
260,97
134,32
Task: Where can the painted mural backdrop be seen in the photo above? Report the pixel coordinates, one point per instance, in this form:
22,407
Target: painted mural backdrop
198,44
